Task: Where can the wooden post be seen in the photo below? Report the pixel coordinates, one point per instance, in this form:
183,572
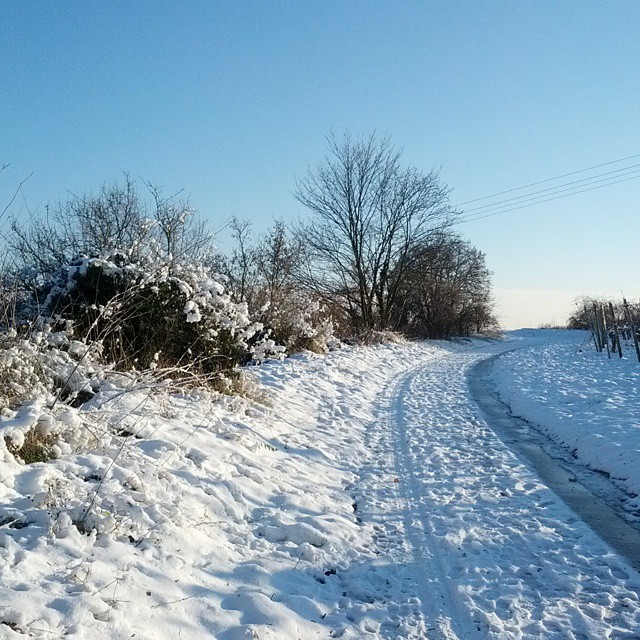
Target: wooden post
615,329
604,330
596,324
592,328
633,327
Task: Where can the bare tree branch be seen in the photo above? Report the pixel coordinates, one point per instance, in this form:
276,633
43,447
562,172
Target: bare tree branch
368,212
15,193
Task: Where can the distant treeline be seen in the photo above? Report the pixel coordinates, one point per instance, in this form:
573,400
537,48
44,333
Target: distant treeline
137,272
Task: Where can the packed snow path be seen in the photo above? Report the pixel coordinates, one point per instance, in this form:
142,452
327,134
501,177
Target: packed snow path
590,493
365,499
494,553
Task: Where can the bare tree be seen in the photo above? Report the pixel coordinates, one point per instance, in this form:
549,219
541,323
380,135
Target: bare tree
264,273
7,206
278,258
183,235
240,267
446,290
87,225
117,219
369,212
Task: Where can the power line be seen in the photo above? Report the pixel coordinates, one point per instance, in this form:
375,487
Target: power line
616,173
489,214
533,184
495,213
533,199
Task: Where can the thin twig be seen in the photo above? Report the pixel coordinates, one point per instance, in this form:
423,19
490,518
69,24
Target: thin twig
15,195
195,595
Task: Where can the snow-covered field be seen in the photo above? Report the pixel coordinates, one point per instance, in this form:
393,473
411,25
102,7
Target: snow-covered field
361,496
579,398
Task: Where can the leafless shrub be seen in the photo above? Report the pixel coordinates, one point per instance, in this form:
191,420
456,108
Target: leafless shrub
265,273
116,220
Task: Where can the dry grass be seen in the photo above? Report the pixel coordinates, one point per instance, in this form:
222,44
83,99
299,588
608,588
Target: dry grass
367,338
37,446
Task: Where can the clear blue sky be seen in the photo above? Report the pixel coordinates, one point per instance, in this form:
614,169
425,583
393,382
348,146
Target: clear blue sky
232,100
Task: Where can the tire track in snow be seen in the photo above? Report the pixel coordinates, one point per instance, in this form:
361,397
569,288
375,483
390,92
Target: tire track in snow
380,506
429,574
495,553
597,501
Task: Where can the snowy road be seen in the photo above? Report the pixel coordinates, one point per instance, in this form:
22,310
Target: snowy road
590,493
494,553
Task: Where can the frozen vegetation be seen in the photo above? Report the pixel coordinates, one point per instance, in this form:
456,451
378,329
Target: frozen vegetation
357,494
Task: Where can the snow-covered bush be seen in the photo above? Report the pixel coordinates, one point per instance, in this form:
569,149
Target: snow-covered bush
44,376
44,363
103,316
300,323
147,314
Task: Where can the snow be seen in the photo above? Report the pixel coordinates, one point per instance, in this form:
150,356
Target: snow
581,399
357,494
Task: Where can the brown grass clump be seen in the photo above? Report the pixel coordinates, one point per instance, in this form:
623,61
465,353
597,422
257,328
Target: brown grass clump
37,446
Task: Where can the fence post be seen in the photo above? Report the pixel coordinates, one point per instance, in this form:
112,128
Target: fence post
604,329
615,329
590,321
633,327
596,323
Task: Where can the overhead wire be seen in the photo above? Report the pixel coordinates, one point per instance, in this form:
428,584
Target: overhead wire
482,215
563,190
562,187
564,175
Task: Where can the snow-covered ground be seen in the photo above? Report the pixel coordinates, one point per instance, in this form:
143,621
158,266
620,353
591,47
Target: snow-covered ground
361,495
580,399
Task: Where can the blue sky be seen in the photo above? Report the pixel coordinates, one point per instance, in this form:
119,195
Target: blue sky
232,100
